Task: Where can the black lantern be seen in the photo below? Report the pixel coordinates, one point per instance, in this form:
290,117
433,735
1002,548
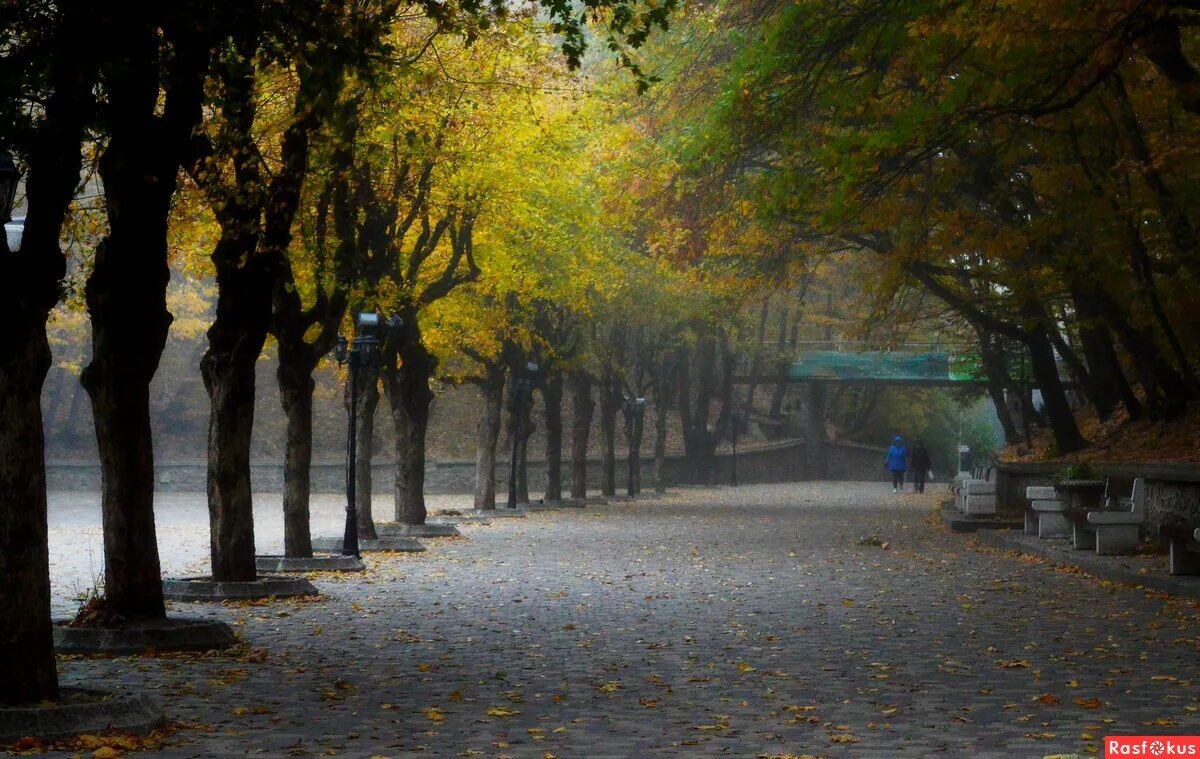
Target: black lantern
9,177
354,353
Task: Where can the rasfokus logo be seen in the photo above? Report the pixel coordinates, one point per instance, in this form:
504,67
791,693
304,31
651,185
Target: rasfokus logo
1151,745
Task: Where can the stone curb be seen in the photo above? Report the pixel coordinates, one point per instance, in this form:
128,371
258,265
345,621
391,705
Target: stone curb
171,634
130,713
366,545
401,530
330,563
1111,568
207,589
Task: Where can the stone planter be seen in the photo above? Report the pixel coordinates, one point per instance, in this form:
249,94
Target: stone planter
1082,494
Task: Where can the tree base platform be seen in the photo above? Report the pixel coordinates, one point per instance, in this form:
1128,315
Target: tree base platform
79,711
402,530
208,589
139,636
382,544
334,562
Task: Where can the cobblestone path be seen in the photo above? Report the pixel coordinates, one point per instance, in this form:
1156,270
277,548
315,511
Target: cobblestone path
746,622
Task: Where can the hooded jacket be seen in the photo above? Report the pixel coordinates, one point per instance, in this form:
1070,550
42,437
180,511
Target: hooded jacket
897,456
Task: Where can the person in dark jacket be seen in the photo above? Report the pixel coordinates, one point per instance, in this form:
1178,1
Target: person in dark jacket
919,462
896,461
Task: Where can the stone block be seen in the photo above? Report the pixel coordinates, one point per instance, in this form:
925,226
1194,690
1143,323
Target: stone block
1052,524
1116,540
979,487
1184,561
1040,493
1083,539
981,504
1031,523
1048,506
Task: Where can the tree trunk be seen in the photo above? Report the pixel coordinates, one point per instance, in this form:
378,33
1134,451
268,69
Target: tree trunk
552,393
814,439
783,365
410,396
127,302
581,427
660,446
126,297
755,366
1045,371
26,640
30,285
368,402
523,450
296,387
229,379
610,404
633,435
488,430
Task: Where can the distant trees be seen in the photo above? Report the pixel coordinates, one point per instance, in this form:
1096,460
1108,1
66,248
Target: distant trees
1007,160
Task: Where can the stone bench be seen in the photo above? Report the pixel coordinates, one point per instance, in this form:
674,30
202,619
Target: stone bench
979,498
1184,543
1044,517
1111,532
975,496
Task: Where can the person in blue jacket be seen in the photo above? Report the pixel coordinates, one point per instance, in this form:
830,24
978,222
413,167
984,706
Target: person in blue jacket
897,462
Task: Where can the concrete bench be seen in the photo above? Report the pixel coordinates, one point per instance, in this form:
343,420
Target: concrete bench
1115,531
1044,517
1184,545
979,498
981,488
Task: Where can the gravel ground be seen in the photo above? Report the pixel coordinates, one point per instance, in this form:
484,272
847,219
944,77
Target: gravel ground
77,541
832,619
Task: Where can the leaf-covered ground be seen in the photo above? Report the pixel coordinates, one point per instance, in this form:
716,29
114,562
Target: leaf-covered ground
746,622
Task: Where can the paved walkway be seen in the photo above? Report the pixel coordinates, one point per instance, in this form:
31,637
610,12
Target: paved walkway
747,622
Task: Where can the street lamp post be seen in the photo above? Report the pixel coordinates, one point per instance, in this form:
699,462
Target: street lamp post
522,393
362,349
9,178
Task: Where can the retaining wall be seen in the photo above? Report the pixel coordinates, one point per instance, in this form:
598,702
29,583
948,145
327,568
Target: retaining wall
775,462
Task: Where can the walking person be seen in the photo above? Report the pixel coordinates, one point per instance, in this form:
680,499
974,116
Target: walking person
896,462
920,463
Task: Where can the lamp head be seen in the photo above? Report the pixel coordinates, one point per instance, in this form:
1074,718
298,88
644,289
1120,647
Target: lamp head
341,349
367,324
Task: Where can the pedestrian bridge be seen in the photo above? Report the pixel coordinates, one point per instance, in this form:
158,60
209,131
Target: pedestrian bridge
922,364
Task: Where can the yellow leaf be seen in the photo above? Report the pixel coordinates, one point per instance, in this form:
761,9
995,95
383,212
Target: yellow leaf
501,711
434,714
